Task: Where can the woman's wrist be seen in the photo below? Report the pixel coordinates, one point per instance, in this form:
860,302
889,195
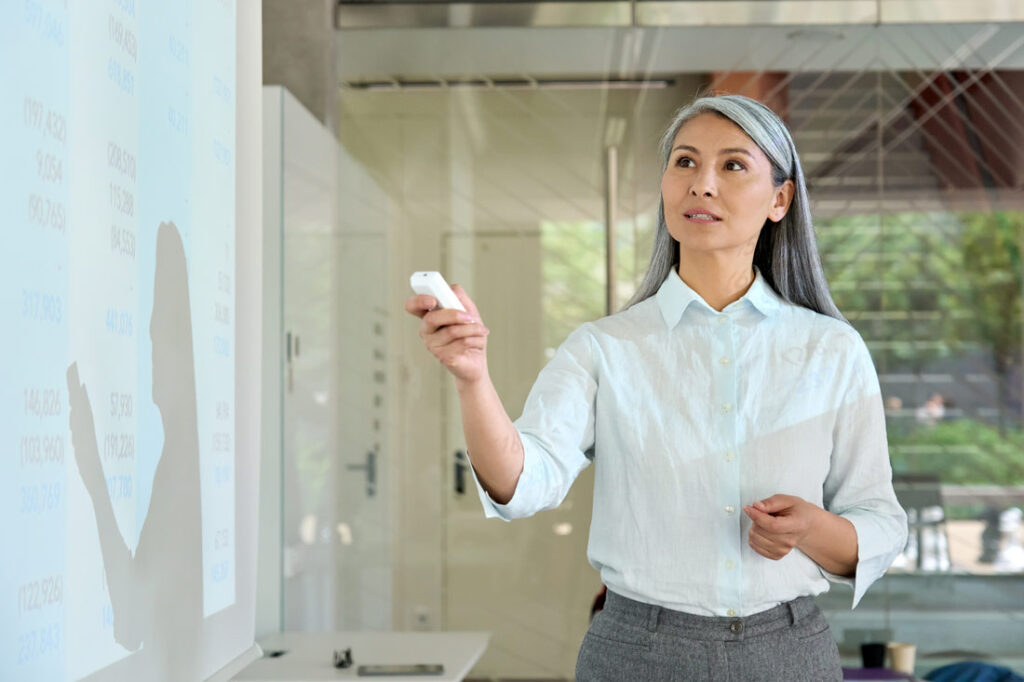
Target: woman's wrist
830,541
473,385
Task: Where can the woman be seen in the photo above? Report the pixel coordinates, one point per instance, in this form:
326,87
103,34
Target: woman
734,416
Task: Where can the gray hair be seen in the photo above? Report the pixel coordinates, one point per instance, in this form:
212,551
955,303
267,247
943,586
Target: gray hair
786,252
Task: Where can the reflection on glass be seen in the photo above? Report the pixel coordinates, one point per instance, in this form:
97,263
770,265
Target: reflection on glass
938,296
922,256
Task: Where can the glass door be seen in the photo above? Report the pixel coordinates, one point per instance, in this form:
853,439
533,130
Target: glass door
910,137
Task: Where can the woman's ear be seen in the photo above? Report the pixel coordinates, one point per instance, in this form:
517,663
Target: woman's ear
783,198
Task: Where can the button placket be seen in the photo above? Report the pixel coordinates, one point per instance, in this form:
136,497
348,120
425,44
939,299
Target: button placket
723,367
724,372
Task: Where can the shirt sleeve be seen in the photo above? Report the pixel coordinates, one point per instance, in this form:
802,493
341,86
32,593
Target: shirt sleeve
859,484
556,429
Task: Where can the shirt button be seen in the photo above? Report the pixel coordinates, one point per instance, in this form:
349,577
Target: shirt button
730,613
730,509
729,564
724,361
729,456
722,319
727,407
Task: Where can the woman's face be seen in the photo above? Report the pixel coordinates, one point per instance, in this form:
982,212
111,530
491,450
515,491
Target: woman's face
717,189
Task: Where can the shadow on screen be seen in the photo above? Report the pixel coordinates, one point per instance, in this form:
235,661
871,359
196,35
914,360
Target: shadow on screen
157,593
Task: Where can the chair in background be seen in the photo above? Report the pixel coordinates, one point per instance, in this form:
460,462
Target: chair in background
928,539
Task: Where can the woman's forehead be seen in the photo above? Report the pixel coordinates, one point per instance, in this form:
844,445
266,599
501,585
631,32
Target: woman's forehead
707,131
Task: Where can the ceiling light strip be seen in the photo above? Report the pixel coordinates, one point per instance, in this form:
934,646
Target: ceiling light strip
498,84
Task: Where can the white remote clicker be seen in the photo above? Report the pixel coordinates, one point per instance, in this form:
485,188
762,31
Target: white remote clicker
433,284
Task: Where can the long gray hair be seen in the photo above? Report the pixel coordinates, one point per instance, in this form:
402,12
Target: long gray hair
786,252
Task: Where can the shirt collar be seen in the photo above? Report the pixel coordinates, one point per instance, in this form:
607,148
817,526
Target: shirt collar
675,296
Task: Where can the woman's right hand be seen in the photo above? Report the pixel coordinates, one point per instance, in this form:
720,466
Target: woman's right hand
458,339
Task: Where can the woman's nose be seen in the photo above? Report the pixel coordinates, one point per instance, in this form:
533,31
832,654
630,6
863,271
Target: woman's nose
703,185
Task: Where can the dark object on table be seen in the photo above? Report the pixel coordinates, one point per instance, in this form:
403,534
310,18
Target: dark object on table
343,659
973,671
401,669
872,654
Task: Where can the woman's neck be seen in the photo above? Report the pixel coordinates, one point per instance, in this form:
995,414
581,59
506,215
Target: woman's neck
718,282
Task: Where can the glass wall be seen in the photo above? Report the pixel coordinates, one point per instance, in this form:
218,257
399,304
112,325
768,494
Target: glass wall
323,467
912,142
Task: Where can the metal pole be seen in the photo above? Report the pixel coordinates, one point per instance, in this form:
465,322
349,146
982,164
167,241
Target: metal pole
611,207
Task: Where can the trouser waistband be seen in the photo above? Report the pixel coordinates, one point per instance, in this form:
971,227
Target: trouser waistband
661,619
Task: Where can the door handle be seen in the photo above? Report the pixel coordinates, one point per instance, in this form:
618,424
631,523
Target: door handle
460,472
370,467
290,383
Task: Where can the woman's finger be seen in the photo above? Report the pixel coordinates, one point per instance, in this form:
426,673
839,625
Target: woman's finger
759,541
756,531
757,547
446,335
767,546
460,351
420,305
459,346
437,319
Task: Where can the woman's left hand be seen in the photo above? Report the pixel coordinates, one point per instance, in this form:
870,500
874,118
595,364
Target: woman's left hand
781,522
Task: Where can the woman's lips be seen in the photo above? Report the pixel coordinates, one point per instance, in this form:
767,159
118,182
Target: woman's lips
701,217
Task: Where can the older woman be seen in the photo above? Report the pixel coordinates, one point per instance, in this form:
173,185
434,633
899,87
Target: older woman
733,415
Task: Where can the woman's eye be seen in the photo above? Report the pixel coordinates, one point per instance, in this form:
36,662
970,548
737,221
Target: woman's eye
684,162
734,165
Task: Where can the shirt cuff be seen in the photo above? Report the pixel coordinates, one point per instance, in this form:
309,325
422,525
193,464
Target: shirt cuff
873,554
519,506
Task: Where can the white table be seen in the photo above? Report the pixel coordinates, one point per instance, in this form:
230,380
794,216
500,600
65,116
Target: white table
310,655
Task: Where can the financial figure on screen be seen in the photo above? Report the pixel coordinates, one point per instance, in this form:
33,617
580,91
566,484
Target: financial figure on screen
157,592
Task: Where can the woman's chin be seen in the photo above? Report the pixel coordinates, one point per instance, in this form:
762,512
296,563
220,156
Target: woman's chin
706,242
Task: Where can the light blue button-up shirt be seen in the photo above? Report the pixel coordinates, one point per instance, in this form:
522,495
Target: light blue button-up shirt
689,414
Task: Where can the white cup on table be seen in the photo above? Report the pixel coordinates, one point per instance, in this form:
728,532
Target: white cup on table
901,657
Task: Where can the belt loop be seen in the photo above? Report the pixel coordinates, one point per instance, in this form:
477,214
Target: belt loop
794,613
652,617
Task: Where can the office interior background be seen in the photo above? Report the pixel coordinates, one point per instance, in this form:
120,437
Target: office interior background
512,147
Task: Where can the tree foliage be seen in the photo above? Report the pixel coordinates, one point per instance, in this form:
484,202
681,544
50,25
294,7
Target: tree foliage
927,286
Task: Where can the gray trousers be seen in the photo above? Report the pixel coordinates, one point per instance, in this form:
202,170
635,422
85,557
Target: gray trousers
630,640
